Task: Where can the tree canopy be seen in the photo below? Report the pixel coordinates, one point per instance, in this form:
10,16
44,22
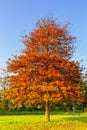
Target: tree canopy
44,72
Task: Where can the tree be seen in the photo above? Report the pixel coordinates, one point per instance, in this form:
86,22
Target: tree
4,103
84,81
44,72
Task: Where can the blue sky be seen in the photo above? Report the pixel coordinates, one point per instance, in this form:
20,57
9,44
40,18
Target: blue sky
17,16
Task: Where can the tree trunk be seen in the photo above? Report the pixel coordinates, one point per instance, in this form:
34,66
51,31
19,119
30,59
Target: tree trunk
47,109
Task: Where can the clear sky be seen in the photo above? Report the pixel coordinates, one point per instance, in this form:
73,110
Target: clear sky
17,16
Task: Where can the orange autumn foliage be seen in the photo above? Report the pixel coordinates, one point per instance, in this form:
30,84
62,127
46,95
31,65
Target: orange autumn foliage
44,72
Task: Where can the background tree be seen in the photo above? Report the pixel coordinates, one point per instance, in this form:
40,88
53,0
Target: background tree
3,88
85,91
44,72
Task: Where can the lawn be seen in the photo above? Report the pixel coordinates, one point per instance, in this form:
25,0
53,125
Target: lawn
37,122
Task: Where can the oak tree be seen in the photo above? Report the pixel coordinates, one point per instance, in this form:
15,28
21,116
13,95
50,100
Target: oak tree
44,72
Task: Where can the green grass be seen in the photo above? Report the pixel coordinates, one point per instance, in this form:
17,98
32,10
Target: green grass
36,112
4,112
37,122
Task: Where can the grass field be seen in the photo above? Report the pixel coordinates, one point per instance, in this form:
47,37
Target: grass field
37,122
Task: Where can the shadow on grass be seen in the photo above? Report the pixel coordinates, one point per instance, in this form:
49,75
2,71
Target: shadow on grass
68,118
77,118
